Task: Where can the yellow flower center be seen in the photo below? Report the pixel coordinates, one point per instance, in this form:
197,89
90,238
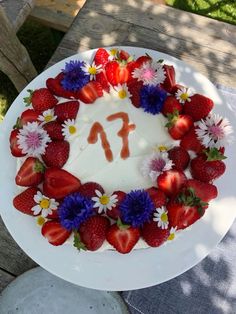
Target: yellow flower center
171,236
40,220
48,118
184,96
104,199
72,129
113,52
92,70
164,217
45,203
122,93
162,148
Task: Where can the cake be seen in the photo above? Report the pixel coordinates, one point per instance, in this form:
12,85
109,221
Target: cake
115,154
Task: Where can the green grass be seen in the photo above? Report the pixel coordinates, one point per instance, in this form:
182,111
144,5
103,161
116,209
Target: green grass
222,10
41,42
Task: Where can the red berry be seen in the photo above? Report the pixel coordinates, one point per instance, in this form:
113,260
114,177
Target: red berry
56,154
30,172
56,88
67,110
190,141
42,99
134,87
24,202
114,212
90,92
15,149
55,233
179,157
158,196
171,181
88,189
179,125
171,104
199,107
169,82
54,130
153,235
101,57
205,191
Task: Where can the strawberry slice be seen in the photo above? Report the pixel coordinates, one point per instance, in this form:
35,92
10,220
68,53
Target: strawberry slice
101,57
190,141
58,183
25,201
122,237
119,72
171,181
41,99
199,107
205,191
67,110
158,196
153,235
56,88
114,212
171,104
89,189
30,173
90,92
55,233
14,147
56,154
178,125
54,130
29,115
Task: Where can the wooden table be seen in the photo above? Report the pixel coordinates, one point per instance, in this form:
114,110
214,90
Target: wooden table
206,44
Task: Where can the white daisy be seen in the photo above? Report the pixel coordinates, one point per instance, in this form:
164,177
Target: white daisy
45,205
161,217
47,116
183,94
104,201
122,91
164,147
69,129
155,164
32,139
150,73
172,234
92,69
214,131
113,54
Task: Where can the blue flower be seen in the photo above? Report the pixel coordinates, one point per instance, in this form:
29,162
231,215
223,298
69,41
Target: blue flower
74,210
136,208
74,77
152,98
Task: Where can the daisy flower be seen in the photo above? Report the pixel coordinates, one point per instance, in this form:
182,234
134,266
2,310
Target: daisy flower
155,164
183,94
33,139
214,131
150,73
172,233
47,116
162,148
161,217
112,54
45,205
104,201
69,129
122,91
91,69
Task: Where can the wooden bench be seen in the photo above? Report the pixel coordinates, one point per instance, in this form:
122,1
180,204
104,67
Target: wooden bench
15,61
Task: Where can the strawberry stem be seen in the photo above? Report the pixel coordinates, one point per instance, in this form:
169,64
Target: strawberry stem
121,225
189,198
214,154
77,242
28,100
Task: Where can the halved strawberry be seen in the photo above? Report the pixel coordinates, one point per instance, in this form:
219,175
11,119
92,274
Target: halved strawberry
56,88
55,233
56,154
153,235
101,57
114,212
90,92
41,99
119,72
29,115
190,141
199,107
30,173
66,110
54,130
158,196
205,191
25,201
89,189
171,104
122,237
171,181
58,183
14,147
179,157
178,125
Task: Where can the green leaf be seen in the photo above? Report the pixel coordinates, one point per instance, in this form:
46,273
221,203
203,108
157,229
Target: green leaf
77,242
28,100
214,154
121,225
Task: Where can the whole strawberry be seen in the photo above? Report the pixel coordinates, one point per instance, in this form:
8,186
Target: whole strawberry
134,87
153,235
101,57
158,196
180,157
24,201
54,130
41,99
205,191
14,147
190,141
171,105
89,189
208,166
56,88
114,212
199,107
67,110
56,154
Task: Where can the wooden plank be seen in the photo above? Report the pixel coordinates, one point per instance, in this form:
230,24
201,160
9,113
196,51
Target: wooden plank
58,14
197,40
5,279
17,11
12,258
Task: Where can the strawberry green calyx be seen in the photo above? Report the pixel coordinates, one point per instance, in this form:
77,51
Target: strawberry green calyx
172,118
18,124
27,100
189,198
160,61
39,167
121,225
214,154
78,243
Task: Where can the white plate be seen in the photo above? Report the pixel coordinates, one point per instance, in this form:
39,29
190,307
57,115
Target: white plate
110,270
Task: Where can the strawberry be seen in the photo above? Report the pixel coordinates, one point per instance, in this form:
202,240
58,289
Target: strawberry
208,167
56,154
55,233
180,157
175,88
185,209
58,183
114,212
53,215
101,78
30,173
199,107
55,87
169,82
119,72
171,104
25,201
205,191
143,59
122,237
66,110
41,99
171,181
88,189
101,57
90,92
29,115
158,196
15,149
92,233
54,130
190,141
153,235
134,87
178,125
123,55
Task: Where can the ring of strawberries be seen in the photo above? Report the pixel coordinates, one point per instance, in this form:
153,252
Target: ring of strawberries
184,198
